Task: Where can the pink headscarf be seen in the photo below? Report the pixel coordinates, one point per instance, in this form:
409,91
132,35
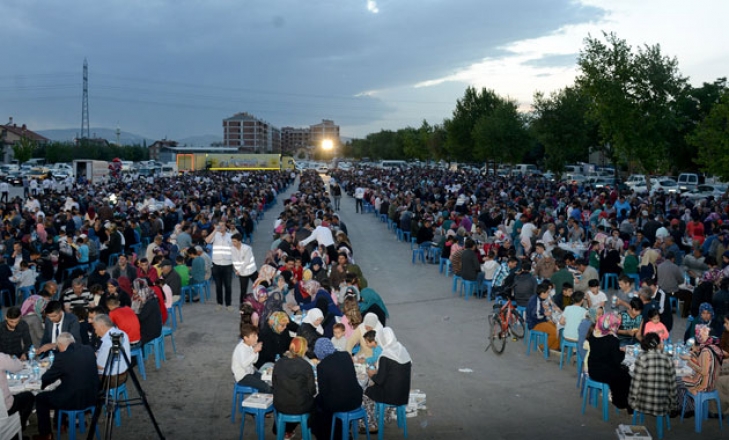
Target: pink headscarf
607,324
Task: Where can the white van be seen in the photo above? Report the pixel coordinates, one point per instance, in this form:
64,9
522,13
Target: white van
389,164
635,179
687,181
525,169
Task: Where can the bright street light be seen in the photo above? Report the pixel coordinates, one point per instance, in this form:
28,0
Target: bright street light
327,144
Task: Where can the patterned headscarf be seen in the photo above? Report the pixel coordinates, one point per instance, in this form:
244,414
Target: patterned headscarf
706,307
277,318
266,273
607,324
323,348
310,288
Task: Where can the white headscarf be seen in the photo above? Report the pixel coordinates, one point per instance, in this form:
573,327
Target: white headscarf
392,349
311,316
371,320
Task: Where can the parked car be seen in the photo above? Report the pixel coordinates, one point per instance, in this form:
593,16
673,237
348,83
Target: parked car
15,178
688,181
705,191
635,179
663,186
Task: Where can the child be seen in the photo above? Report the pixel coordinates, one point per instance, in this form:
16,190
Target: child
298,269
630,264
573,316
595,255
245,356
654,325
595,297
371,342
339,340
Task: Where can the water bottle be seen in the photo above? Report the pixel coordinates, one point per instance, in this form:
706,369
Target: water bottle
51,357
31,353
278,356
36,372
615,301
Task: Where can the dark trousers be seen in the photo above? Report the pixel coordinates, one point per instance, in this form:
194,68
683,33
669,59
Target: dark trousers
43,406
254,381
332,253
23,404
244,284
4,197
358,205
223,276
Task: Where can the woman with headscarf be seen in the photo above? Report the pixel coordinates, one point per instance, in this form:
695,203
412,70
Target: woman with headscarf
653,389
705,361
318,272
605,360
149,312
322,300
257,299
648,268
370,322
32,313
294,386
265,276
339,390
390,380
371,302
311,329
705,317
275,337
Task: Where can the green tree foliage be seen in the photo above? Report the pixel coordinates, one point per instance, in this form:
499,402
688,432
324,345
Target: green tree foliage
711,139
562,126
633,97
501,134
23,149
460,128
66,152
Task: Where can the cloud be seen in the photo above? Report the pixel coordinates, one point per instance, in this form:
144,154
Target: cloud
372,6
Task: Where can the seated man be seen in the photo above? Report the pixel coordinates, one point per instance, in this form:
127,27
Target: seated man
15,334
77,295
75,366
573,316
631,322
57,321
124,318
115,373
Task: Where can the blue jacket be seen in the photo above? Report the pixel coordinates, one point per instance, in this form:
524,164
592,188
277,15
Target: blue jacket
535,312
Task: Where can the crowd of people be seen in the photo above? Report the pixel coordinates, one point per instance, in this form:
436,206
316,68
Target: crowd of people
556,248
314,319
79,263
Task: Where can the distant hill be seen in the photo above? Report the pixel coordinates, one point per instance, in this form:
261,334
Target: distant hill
200,141
68,134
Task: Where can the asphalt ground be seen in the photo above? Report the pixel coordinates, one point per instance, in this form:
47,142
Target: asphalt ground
471,394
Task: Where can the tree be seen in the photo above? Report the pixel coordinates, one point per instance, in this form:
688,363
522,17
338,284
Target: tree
633,98
562,126
460,129
501,135
711,138
23,149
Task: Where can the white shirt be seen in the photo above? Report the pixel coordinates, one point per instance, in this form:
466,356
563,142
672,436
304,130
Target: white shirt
243,359
56,330
103,353
222,245
322,235
244,262
359,193
4,187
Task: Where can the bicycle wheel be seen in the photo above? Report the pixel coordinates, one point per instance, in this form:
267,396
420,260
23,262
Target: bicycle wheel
498,338
516,325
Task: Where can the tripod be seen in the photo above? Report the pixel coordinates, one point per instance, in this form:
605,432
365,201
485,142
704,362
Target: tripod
111,382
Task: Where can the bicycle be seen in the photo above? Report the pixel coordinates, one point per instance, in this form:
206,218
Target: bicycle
507,321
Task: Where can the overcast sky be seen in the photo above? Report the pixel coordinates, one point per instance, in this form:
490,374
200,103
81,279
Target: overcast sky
176,68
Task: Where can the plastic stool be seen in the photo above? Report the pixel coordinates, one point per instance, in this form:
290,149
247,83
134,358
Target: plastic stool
168,331
639,417
673,301
418,254
139,354
635,278
115,393
239,395
282,418
563,343
489,285
201,289
469,288
455,283
406,236
402,421
348,418
79,415
260,415
442,265
598,387
156,347
535,338
701,406
609,279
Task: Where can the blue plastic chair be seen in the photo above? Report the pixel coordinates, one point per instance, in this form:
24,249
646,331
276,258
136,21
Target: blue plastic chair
350,418
592,386
113,258
469,288
536,338
565,344
26,292
442,265
156,347
639,417
635,278
701,405
167,331
282,419
139,354
489,285
73,416
383,218
609,279
456,278
402,421
116,393
406,236
186,295
260,415
239,395
673,301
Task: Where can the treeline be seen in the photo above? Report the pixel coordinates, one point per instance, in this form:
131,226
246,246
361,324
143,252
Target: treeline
632,104
55,152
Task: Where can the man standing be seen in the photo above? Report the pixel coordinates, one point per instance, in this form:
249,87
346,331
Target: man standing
244,264
221,240
5,191
358,199
336,194
75,366
323,237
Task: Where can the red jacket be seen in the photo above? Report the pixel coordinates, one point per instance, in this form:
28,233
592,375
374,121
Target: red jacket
127,321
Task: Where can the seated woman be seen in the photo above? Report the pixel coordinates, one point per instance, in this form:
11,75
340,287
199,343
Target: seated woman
311,329
294,387
257,300
32,313
604,363
370,322
275,338
706,317
324,301
705,361
390,379
352,316
538,317
653,389
371,302
339,390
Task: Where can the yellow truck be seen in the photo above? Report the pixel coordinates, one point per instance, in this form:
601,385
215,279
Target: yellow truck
234,162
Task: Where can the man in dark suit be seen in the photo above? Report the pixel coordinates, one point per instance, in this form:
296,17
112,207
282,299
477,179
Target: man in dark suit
75,366
57,322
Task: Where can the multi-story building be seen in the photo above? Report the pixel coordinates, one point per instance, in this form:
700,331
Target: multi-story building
11,133
326,130
293,139
250,134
